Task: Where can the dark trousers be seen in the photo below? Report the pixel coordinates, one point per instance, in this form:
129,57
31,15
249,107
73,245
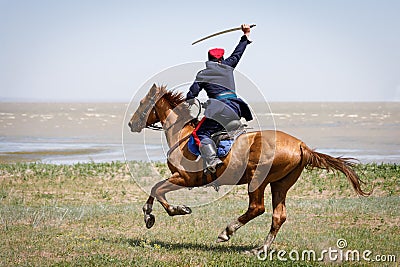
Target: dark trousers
207,128
218,113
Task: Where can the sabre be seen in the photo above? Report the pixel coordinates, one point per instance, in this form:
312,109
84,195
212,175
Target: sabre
219,33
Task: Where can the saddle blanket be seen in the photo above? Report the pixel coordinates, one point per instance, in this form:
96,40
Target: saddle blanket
223,148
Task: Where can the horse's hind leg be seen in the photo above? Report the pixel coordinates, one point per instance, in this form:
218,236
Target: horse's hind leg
256,208
279,190
175,182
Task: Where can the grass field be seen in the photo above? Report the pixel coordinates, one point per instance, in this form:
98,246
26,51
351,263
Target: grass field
90,215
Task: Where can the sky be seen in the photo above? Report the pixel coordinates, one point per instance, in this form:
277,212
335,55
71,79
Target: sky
342,50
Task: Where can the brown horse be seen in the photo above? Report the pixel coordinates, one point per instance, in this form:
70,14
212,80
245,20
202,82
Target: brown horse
257,158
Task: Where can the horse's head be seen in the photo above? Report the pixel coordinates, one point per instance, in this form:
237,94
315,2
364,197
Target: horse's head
146,114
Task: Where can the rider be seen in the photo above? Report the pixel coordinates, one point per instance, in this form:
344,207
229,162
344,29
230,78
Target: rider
223,104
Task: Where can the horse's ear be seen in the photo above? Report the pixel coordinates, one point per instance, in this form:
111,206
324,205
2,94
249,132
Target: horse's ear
153,90
154,87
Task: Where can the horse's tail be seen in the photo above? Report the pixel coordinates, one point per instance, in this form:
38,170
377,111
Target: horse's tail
313,159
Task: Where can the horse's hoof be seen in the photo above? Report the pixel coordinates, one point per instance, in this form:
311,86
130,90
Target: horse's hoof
248,253
186,210
150,220
257,251
222,238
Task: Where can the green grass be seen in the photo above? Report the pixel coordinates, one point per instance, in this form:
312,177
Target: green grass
90,215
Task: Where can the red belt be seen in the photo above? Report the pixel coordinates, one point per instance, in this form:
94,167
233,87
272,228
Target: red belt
196,138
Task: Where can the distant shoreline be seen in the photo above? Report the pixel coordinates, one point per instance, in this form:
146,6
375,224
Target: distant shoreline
98,132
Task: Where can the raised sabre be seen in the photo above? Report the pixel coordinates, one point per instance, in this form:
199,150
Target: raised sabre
219,33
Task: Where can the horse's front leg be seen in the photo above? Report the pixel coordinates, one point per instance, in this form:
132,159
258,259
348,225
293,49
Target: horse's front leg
175,182
149,218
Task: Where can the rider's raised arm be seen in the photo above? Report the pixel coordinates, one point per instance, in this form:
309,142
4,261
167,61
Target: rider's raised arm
194,91
234,58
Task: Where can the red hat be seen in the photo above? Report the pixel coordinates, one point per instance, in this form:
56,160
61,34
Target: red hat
216,52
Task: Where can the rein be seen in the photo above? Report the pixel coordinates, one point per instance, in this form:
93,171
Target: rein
177,144
160,128
155,127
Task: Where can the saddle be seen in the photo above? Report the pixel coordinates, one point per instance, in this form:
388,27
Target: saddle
232,130
223,139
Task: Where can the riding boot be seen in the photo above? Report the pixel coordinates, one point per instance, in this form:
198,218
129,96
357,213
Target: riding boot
209,154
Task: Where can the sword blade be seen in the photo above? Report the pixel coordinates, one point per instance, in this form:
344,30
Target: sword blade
219,33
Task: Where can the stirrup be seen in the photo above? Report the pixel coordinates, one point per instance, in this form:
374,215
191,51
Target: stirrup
213,168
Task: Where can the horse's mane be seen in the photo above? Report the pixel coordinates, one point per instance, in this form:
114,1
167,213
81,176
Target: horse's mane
175,99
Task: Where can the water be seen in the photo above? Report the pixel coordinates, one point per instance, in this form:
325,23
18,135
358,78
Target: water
367,131
67,133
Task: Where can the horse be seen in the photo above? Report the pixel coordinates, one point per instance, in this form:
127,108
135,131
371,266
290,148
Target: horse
257,158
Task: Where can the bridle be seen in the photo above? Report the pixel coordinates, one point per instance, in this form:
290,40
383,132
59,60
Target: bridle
155,127
160,128
143,116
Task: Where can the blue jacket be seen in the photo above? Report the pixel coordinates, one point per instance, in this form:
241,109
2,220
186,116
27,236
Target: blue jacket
217,80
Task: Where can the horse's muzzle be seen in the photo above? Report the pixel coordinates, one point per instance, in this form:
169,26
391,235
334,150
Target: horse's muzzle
134,128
